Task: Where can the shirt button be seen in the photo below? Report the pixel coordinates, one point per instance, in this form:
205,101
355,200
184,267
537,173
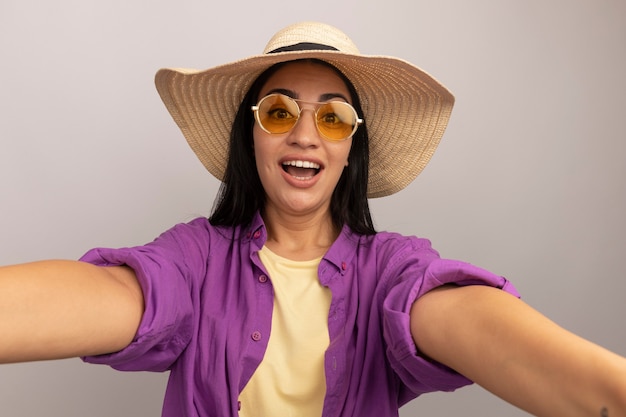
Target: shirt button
257,234
238,405
262,278
256,336
344,266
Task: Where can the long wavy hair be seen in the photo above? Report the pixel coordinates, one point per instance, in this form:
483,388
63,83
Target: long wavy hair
241,194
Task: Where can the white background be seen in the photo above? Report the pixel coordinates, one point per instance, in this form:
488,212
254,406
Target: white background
528,181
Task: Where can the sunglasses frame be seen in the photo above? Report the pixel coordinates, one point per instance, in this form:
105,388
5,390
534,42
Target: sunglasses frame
318,105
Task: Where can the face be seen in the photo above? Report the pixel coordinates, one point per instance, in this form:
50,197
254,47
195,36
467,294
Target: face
300,169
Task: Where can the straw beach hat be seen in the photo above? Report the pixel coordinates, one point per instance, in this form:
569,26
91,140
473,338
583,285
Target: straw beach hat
405,109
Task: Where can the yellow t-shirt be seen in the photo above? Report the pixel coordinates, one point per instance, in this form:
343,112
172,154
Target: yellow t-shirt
290,381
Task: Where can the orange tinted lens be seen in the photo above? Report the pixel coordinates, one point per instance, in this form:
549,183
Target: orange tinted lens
336,120
277,113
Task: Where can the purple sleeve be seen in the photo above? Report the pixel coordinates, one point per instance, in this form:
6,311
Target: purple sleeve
165,270
418,374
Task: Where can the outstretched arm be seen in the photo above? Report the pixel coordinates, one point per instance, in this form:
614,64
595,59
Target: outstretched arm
60,309
510,349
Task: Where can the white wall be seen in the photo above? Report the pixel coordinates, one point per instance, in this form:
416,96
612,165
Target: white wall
528,181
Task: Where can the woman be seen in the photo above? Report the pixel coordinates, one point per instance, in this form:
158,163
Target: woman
286,301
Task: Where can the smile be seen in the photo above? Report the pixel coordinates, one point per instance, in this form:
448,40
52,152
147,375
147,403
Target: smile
302,170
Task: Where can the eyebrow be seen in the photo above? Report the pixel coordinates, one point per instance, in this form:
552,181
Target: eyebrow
292,94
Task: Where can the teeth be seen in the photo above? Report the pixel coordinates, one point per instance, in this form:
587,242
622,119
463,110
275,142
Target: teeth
302,164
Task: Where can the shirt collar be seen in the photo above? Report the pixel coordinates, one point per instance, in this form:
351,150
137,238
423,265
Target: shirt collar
343,250
256,233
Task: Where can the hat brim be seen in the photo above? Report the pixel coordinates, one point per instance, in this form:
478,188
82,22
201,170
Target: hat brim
405,109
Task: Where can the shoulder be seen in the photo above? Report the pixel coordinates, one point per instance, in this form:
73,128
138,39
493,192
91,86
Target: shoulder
384,253
197,230
396,245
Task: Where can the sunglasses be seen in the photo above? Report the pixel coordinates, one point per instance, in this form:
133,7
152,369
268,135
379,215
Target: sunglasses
278,113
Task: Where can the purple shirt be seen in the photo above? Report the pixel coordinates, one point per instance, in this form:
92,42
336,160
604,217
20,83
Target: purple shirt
209,308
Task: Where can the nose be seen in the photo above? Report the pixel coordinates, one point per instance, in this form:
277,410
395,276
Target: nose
305,133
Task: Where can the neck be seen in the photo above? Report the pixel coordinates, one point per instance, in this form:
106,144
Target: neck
301,237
